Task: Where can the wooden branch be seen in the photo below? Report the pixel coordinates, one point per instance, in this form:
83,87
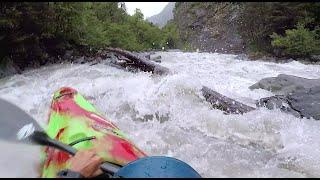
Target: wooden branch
141,62
217,100
228,105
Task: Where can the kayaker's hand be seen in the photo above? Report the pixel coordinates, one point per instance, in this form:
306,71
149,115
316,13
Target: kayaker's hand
86,162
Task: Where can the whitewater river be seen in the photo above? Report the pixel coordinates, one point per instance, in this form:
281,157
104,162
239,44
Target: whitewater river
261,143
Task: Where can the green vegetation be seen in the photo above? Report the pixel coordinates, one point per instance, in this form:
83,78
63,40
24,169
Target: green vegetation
266,28
171,35
31,33
299,42
273,27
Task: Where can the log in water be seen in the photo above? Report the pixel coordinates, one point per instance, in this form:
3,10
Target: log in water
259,143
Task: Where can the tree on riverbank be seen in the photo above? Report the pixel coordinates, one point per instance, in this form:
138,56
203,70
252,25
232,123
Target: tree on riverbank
246,27
32,32
289,29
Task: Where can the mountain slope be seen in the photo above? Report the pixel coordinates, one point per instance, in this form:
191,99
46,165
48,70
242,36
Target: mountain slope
164,16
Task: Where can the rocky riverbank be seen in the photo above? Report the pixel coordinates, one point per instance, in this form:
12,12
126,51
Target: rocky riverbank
79,57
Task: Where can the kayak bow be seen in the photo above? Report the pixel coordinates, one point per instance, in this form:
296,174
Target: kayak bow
73,120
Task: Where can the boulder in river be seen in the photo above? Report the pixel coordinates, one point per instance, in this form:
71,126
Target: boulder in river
278,102
68,54
285,84
156,59
315,58
306,102
80,60
300,96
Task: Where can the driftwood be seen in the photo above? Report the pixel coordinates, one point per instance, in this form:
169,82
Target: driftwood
228,105
140,62
217,100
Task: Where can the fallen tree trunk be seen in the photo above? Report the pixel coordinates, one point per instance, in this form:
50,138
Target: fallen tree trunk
217,100
221,102
140,62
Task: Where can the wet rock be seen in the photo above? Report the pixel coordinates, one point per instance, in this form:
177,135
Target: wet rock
52,60
284,84
299,96
80,60
306,102
241,57
111,57
96,61
277,102
68,54
315,58
146,55
174,50
156,59
157,116
90,59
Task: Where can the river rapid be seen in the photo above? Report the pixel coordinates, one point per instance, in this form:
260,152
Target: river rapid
168,116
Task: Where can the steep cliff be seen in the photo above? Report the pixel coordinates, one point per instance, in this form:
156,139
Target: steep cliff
209,26
282,29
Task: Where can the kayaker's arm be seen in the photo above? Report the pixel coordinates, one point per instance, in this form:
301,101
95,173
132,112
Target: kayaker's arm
84,164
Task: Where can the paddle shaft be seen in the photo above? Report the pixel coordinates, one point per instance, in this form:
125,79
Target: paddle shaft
42,139
106,166
13,120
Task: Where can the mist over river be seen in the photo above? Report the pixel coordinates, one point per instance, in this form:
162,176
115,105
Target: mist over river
168,116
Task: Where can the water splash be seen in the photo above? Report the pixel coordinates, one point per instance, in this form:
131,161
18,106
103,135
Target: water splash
261,143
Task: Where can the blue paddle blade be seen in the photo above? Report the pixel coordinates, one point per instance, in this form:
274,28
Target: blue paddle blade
157,167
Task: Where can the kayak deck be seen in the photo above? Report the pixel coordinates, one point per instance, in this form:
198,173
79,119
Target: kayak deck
72,118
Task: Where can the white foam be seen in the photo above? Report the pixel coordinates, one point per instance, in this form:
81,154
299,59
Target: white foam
260,143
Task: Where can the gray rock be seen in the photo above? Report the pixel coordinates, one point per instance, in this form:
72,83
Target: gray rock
156,59
157,116
174,50
96,61
315,58
80,60
144,54
111,57
277,102
241,57
306,102
300,96
147,56
285,84
68,54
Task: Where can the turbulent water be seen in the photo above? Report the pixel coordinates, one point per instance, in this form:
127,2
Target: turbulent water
168,116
